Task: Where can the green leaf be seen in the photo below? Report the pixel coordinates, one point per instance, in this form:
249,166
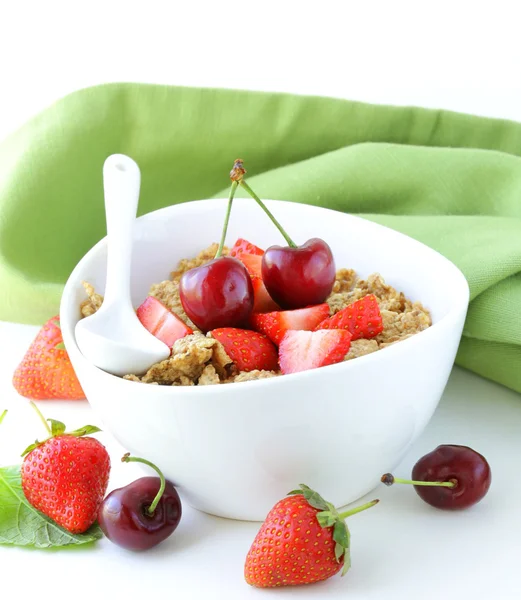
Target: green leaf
87,430
22,525
326,518
313,498
339,551
347,562
57,427
3,415
341,534
342,537
60,346
31,447
331,507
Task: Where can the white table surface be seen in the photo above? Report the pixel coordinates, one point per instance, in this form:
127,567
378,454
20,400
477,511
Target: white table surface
454,55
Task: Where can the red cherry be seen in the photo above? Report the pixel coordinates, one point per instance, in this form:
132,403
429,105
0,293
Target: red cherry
301,276
217,294
451,477
125,520
295,276
141,514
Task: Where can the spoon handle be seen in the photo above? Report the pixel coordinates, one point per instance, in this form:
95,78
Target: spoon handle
121,183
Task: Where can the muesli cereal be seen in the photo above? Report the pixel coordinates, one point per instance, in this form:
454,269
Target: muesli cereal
199,359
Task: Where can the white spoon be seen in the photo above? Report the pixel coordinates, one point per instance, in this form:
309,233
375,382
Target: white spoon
113,338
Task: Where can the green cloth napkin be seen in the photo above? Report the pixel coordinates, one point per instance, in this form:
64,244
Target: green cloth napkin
451,180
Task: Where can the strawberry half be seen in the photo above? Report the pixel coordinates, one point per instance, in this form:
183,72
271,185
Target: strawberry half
275,324
303,350
242,246
46,372
162,322
362,319
249,350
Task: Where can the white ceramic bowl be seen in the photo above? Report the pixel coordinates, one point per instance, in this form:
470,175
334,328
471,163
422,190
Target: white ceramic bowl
234,450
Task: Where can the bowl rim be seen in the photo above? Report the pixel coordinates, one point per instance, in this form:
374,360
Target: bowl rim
461,297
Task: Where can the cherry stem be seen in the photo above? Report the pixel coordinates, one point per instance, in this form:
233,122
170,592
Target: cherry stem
3,415
42,418
127,458
291,243
389,479
358,509
226,219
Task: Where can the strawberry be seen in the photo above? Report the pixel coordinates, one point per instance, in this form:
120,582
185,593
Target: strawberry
249,350
251,258
362,319
66,476
242,246
161,321
303,540
302,350
262,301
46,371
253,264
275,324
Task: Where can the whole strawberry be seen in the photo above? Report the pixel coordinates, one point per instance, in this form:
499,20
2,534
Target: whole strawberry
46,371
66,476
303,540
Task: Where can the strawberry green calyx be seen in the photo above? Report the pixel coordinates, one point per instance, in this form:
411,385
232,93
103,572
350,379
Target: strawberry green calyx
3,415
57,428
330,517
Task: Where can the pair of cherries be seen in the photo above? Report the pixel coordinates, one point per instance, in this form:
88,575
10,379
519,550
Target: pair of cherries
220,293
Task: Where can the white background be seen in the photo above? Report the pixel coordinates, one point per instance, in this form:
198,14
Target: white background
455,55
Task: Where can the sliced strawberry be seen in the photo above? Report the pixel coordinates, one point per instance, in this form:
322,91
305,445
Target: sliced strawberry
249,350
242,246
275,324
302,350
161,321
362,319
253,264
262,301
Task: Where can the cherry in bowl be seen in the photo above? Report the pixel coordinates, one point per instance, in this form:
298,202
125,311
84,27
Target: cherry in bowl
294,276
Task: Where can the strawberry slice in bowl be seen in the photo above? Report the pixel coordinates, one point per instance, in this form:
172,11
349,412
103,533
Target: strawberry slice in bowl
361,318
251,257
162,322
275,324
249,350
253,264
303,350
242,246
262,301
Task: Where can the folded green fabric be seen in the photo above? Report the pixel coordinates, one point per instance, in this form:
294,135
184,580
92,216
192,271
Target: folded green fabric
452,181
